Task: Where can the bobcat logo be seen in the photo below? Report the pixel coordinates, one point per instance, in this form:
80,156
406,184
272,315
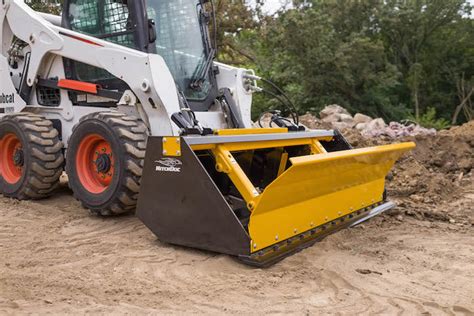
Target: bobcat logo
7,98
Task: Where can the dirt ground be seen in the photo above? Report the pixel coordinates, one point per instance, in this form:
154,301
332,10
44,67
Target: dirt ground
418,259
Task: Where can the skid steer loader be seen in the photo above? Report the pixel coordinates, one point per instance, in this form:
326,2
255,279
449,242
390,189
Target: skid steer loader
128,97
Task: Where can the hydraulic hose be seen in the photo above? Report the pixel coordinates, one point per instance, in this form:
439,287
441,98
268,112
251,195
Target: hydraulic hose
284,99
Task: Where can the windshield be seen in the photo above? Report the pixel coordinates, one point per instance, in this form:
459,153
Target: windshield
180,42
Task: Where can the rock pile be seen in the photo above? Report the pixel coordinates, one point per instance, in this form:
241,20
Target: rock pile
339,118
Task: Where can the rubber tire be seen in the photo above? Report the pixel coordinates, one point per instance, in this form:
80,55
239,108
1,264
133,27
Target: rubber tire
43,156
127,136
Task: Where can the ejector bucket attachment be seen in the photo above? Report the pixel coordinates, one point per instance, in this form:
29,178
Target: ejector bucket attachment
260,194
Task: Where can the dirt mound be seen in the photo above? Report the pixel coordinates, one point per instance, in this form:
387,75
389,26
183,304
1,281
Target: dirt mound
465,130
438,172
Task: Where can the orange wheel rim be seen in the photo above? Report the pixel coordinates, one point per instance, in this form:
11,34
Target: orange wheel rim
95,163
11,158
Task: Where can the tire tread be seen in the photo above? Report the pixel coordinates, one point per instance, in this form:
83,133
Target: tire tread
46,156
132,134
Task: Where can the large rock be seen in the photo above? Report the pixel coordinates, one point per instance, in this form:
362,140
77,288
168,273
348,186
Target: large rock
361,118
333,118
311,121
377,124
341,126
346,118
361,126
332,109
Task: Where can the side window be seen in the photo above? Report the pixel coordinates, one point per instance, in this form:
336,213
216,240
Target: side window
109,20
117,23
84,16
106,19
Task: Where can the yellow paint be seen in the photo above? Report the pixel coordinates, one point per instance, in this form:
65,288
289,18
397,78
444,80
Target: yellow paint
316,147
226,163
314,190
171,146
319,188
283,162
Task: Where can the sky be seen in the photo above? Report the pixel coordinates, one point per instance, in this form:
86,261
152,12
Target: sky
273,5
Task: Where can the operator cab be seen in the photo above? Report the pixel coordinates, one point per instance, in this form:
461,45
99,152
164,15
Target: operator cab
177,30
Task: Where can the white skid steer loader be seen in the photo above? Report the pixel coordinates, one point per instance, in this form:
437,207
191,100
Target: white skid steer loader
126,96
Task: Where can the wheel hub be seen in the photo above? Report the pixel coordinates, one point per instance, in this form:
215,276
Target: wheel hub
103,163
18,158
12,158
95,163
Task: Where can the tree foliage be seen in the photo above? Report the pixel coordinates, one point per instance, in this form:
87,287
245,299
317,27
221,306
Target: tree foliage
392,59
395,58
51,6
233,18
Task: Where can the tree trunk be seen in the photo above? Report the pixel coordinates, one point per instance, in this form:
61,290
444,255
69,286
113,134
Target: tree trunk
417,104
460,107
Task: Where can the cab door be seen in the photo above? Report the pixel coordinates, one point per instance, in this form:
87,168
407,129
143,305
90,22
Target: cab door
117,21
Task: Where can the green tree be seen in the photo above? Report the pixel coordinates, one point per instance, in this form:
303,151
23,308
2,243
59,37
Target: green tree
233,18
49,6
324,53
409,29
381,58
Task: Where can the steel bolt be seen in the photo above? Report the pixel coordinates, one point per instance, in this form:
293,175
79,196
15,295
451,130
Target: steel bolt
276,237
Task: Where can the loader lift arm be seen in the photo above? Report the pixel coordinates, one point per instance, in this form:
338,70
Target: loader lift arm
146,74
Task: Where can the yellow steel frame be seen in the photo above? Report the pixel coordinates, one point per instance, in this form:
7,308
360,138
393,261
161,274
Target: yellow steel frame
225,161
314,190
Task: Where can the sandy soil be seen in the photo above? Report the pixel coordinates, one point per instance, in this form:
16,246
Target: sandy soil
419,259
57,258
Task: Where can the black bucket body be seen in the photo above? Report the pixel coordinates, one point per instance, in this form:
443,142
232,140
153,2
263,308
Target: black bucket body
260,196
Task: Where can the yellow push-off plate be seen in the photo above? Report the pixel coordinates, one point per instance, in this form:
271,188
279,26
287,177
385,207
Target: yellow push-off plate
171,146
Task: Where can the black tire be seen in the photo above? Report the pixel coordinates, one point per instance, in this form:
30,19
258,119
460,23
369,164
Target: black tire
127,137
40,158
